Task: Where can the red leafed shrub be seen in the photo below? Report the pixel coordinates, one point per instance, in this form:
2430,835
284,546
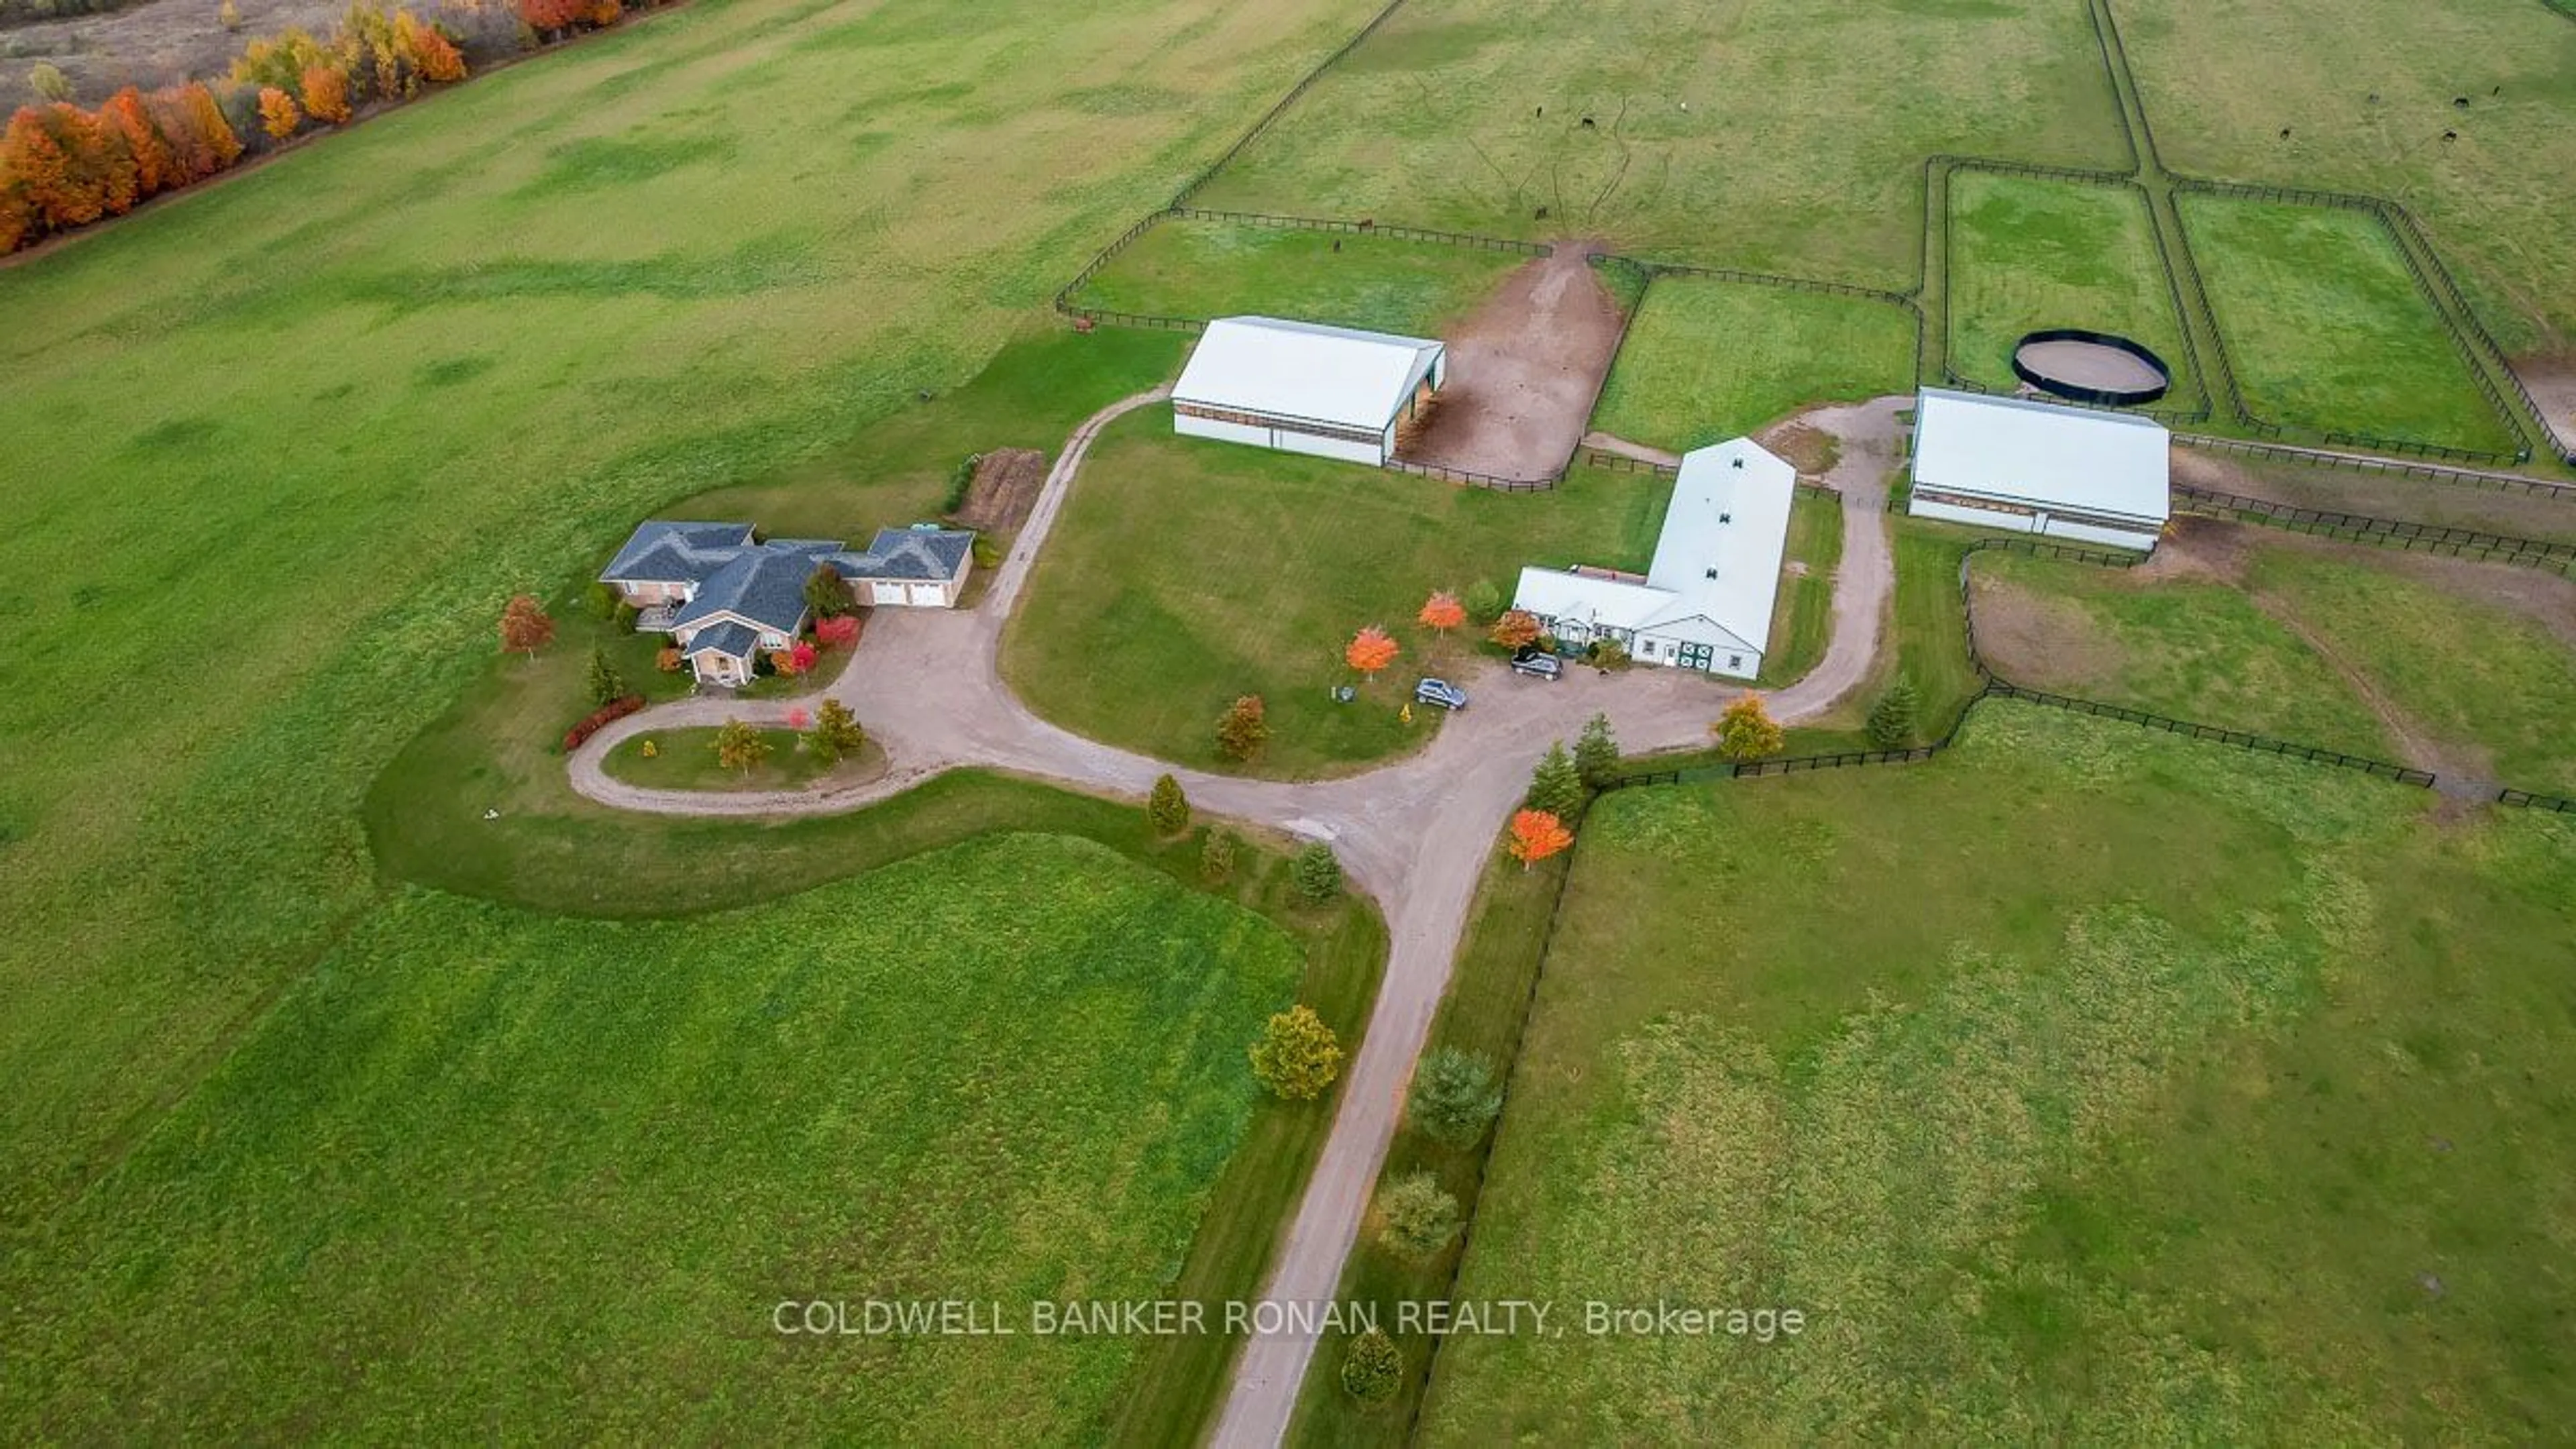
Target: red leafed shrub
801,657
837,632
614,709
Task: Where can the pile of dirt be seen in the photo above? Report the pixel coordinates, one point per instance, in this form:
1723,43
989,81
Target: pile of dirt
1005,489
1523,370
1810,450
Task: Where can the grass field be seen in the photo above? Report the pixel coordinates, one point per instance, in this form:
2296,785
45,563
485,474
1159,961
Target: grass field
2327,329
1766,134
2380,495
486,1168
1802,622
1184,573
1705,360
2026,254
1202,269
2189,649
346,403
2193,1095
2365,93
685,759
2472,674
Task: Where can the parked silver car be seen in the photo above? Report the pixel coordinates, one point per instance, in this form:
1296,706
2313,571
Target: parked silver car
1440,692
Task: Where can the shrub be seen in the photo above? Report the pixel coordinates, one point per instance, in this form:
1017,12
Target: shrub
1297,1056
1453,1098
1216,858
988,554
1167,809
1241,733
48,83
1746,732
827,593
1372,1367
1315,873
592,722
1417,1218
1484,602
602,600
1610,654
961,481
837,632
668,660
606,686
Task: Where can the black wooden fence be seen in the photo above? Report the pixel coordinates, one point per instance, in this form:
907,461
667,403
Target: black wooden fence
2360,463
2468,543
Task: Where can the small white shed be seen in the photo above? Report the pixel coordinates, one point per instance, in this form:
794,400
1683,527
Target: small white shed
2034,467
1706,601
1303,387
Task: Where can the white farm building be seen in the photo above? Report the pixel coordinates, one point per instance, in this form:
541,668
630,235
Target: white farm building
1306,388
2034,467
1706,600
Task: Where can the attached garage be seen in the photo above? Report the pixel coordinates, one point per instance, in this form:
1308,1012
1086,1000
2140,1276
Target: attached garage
2033,467
910,568
1302,387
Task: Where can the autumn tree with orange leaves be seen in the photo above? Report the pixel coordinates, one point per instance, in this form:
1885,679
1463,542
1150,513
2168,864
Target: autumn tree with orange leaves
1370,651
525,629
326,94
1517,627
1442,611
277,113
1536,835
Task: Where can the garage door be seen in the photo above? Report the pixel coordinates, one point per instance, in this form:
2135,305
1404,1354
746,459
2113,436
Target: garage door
928,596
886,593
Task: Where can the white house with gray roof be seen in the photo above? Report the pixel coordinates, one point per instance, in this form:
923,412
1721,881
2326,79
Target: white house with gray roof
1706,601
726,598
1303,387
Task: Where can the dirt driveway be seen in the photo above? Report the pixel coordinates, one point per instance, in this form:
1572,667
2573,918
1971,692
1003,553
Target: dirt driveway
1523,371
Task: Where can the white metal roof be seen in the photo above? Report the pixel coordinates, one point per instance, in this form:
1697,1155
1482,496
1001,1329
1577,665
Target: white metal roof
1305,370
1718,557
2041,454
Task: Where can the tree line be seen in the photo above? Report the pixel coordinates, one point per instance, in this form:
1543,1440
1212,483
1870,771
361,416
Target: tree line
63,167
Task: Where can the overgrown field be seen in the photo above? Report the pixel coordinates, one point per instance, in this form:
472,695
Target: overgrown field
2327,328
486,1168
1185,572
2326,93
1767,134
281,448
1705,360
2194,1094
2026,254
1204,269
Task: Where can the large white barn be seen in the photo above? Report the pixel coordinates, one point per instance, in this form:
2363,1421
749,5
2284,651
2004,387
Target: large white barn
2034,467
1706,600
1304,387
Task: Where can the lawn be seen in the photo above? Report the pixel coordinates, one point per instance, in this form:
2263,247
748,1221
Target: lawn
485,1168
1705,360
2328,331
2191,649
1769,134
1802,623
1186,572
346,403
2356,97
1202,269
2193,1095
2026,254
2496,682
685,759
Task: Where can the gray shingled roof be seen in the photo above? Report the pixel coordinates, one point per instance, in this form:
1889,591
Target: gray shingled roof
663,551
728,638
923,554
765,585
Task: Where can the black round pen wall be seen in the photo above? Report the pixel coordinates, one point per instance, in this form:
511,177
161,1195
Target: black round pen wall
2092,367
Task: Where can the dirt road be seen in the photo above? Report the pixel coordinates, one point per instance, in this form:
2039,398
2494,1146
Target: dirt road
1415,834
1523,371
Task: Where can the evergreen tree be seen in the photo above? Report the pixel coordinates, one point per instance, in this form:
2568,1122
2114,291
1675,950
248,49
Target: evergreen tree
1167,808
1453,1097
1484,602
1316,874
1596,753
607,686
1891,720
1556,787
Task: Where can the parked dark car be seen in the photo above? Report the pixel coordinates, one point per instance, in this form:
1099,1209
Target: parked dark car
1440,692
1538,664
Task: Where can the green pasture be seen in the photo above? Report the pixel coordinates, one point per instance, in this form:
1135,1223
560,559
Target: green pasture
2193,1095
1202,269
2497,682
485,1167
1767,134
1802,622
2025,254
2327,329
1185,572
2189,649
2357,97
1706,360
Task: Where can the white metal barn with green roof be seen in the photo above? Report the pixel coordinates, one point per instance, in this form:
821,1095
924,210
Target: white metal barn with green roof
1303,387
2033,467
1706,601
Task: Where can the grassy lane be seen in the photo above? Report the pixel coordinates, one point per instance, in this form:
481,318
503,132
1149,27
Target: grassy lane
1186,572
1705,361
1802,623
2192,1094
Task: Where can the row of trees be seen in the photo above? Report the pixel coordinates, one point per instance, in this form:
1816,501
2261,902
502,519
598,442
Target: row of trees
62,167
